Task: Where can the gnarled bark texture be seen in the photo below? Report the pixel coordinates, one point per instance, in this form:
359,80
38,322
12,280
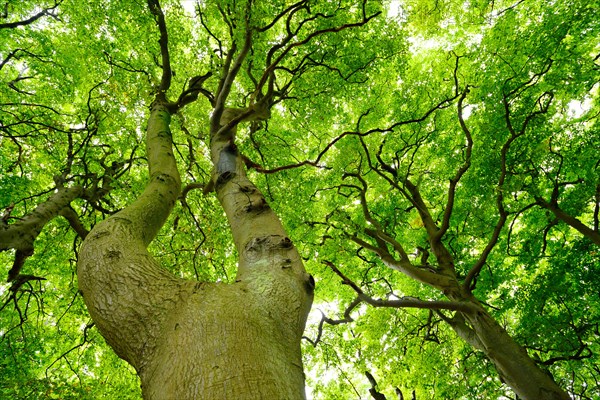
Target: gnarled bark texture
192,340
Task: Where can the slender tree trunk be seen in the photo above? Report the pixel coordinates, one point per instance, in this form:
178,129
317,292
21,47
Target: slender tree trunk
512,362
191,340
479,328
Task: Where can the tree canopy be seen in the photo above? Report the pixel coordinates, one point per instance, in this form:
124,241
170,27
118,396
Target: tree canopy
409,144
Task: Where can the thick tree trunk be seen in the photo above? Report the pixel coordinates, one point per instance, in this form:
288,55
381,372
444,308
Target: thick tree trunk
127,293
191,340
226,342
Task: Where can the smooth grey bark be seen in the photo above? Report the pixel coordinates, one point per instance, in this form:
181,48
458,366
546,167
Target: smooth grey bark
22,234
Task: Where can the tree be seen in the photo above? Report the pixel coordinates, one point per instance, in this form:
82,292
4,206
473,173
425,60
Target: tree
445,174
427,230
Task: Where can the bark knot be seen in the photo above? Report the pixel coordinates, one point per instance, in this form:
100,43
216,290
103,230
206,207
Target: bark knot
247,189
309,284
112,254
262,246
259,205
224,177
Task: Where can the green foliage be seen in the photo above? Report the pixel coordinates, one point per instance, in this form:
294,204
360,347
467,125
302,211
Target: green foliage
75,87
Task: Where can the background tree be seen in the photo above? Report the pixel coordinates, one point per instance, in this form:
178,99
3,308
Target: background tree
492,241
440,141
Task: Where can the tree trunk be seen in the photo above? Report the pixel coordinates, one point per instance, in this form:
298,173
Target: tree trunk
227,342
479,328
512,362
192,340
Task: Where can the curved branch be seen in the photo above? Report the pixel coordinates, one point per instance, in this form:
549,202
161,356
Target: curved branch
159,17
404,302
114,260
461,171
23,233
271,67
281,14
441,105
347,319
230,72
32,19
569,220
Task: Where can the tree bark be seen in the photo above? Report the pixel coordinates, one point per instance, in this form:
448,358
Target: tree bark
476,327
22,234
573,222
192,340
127,293
512,362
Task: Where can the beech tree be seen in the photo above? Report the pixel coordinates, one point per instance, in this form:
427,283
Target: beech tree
169,168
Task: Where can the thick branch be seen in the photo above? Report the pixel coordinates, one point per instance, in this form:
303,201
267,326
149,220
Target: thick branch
373,390
404,302
269,263
159,17
440,281
149,212
32,19
570,220
459,325
71,216
22,234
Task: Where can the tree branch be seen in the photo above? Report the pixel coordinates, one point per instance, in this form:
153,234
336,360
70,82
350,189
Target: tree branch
271,67
230,72
373,389
403,302
573,222
32,19
159,17
461,171
441,105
